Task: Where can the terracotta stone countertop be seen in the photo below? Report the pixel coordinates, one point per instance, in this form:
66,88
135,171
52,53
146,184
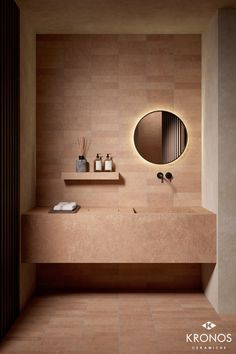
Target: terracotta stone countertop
120,235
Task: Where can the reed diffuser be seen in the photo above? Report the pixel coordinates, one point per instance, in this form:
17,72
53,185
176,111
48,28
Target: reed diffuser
81,162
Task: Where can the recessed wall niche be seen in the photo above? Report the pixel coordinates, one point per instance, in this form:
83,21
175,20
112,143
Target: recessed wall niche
98,86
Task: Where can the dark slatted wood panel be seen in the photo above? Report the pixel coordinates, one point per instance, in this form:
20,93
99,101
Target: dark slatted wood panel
9,184
174,137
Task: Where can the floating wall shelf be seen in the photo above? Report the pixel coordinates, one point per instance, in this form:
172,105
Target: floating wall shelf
90,176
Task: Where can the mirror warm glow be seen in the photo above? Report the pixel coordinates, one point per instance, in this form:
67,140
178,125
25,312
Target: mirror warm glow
160,137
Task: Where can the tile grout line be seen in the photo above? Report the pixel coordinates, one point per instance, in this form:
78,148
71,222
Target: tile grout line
154,327
119,334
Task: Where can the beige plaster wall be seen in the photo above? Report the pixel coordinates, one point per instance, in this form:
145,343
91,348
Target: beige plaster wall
28,141
227,163
219,129
113,16
210,142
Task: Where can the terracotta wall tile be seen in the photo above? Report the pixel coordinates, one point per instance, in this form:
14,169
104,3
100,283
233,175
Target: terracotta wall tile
132,47
99,86
82,43
74,76
104,45
50,57
160,64
132,65
75,59
104,65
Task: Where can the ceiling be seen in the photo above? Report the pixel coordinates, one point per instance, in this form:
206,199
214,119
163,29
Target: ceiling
121,16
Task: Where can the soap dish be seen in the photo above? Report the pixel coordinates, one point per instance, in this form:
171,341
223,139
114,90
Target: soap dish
51,211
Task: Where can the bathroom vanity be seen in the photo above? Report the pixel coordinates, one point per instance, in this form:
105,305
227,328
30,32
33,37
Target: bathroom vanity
120,235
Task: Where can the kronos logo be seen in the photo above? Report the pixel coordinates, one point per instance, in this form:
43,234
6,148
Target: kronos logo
206,337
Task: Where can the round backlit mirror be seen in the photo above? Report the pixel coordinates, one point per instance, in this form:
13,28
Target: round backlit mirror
160,137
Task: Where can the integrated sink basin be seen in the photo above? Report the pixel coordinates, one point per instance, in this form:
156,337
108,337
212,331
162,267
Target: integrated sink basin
172,210
93,210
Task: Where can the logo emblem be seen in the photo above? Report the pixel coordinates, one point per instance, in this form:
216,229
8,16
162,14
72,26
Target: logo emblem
208,325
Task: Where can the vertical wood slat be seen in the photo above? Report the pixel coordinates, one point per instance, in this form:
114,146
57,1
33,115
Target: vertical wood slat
9,183
174,137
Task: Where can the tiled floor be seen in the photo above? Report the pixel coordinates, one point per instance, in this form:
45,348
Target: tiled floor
121,323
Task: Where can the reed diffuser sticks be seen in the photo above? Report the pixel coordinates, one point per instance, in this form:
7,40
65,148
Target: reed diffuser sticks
83,146
81,162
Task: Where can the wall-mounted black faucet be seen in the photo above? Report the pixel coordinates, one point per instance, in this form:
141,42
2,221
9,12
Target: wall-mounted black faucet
168,176
160,176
